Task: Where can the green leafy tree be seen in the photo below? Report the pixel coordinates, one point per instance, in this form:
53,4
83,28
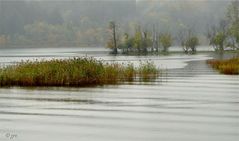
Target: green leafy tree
218,41
218,36
192,43
138,39
233,18
166,41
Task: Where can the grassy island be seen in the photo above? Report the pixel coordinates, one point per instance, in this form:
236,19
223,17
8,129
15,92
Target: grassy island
74,72
230,66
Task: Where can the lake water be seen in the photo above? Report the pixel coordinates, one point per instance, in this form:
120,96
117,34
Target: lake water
189,102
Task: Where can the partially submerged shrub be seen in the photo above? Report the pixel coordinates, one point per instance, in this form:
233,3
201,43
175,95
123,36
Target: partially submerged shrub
72,72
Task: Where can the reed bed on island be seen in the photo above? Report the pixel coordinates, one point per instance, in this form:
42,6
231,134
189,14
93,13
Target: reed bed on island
74,72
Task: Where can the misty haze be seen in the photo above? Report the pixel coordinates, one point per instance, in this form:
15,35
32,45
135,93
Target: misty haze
119,70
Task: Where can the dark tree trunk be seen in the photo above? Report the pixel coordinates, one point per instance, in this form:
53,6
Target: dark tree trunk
115,51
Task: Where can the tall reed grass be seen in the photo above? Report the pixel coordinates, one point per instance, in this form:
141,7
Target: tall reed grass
230,66
74,72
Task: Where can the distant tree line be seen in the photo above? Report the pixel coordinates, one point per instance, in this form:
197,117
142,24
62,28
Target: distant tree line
58,23
143,41
83,23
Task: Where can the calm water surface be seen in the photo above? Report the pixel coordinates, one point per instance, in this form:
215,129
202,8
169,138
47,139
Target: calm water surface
189,102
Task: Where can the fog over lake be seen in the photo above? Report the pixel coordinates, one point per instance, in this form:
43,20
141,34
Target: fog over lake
190,99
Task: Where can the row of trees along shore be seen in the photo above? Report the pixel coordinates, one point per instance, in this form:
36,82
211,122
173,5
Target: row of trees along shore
221,36
143,41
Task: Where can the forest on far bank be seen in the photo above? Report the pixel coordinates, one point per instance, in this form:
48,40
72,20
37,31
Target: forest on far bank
30,23
222,36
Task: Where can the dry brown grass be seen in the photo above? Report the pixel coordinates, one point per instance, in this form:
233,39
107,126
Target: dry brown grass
230,66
